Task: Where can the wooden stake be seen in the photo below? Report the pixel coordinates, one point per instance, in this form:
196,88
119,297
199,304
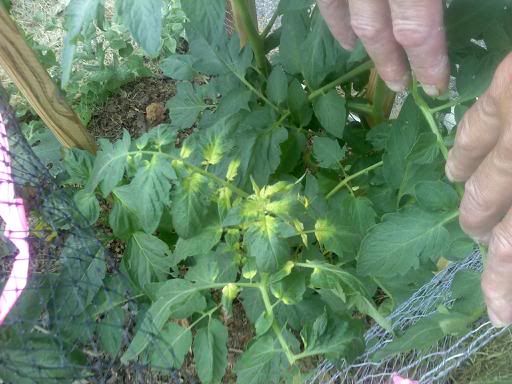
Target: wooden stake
23,67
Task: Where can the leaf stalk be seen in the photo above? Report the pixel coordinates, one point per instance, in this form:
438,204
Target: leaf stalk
256,41
345,181
275,326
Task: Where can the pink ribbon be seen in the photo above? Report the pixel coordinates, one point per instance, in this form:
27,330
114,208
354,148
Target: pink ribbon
12,212
397,379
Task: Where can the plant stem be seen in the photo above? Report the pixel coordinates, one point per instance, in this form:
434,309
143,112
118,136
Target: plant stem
275,326
270,24
349,187
451,103
352,177
452,216
257,92
252,34
342,79
117,304
429,117
360,107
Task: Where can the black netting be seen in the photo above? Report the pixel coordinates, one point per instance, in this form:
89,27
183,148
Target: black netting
58,329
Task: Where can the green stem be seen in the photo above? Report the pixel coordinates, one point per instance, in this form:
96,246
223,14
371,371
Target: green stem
452,216
257,93
117,304
199,170
252,34
429,117
360,107
349,187
352,177
270,24
342,79
275,326
451,103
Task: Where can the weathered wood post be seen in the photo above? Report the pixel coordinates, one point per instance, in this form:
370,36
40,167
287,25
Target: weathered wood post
23,67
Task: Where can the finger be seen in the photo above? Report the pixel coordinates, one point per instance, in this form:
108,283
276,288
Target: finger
371,21
476,136
418,26
481,127
496,279
487,194
337,16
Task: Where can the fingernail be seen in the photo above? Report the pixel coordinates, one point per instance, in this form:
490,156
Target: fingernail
495,320
399,85
449,174
431,90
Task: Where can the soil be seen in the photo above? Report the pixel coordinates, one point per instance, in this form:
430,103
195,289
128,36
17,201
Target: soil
137,107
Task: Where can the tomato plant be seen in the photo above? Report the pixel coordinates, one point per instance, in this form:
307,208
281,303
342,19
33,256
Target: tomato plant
286,197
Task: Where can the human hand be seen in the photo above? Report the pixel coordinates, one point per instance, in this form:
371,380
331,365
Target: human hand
482,158
397,34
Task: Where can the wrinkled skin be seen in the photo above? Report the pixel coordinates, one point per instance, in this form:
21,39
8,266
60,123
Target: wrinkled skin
408,35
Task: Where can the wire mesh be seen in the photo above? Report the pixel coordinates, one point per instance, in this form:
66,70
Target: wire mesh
426,366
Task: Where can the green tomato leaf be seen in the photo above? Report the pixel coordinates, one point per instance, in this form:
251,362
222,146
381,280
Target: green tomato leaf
79,14
277,85
336,234
205,18
350,289
425,150
226,58
190,206
178,67
290,289
293,5
293,34
111,331
186,106
169,350
144,20
298,103
334,338
80,278
88,205
423,334
198,245
328,152
264,242
259,148
148,258
330,110
210,351
263,324
324,53
123,218
262,363
176,297
402,241
149,190
109,165
436,196
467,293
78,164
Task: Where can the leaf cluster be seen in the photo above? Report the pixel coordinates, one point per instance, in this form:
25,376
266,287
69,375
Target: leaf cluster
286,197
